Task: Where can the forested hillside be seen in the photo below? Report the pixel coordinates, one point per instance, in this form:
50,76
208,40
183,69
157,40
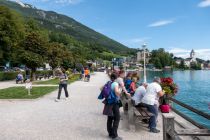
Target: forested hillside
63,24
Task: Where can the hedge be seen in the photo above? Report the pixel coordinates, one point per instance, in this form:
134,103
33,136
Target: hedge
44,72
12,75
8,76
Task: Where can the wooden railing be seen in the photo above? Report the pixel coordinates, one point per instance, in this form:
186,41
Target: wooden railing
169,132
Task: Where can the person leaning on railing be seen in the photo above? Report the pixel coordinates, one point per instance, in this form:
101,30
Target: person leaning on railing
153,92
120,81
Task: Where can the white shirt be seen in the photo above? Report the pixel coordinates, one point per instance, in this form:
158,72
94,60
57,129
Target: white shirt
139,94
151,95
120,82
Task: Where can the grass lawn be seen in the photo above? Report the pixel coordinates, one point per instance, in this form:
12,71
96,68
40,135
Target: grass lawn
56,80
22,93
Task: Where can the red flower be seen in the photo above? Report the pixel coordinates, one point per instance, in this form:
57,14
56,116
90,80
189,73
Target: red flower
169,86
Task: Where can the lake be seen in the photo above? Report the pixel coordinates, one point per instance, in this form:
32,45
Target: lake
194,90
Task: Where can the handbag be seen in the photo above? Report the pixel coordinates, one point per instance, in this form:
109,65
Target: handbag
165,107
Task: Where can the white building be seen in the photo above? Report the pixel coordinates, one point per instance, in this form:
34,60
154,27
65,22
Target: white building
191,59
140,55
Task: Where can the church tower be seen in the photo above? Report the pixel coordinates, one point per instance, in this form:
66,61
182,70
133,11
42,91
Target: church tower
192,54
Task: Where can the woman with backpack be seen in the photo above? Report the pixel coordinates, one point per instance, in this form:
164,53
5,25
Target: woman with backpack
113,121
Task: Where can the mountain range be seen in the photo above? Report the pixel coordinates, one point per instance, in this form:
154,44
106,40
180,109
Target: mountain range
61,23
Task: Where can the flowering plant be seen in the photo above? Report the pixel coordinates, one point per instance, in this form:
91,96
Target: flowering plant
169,86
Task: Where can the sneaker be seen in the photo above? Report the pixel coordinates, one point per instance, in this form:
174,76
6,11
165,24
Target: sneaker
66,98
154,130
117,138
57,100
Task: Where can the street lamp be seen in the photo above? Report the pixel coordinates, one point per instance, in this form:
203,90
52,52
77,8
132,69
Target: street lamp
145,78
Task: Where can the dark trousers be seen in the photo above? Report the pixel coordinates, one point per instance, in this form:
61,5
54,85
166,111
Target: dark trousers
153,119
65,89
113,121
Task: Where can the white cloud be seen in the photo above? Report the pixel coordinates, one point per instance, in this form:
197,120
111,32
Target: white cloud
204,3
68,1
72,2
136,42
185,53
161,23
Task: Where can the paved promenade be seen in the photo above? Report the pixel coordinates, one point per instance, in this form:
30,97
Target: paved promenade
79,118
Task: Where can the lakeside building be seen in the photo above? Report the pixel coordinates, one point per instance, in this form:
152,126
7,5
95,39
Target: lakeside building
118,62
140,55
178,60
191,59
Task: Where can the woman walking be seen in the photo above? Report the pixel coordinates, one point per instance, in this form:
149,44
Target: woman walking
63,84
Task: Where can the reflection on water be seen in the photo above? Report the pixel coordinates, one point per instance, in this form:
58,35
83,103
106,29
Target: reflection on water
194,90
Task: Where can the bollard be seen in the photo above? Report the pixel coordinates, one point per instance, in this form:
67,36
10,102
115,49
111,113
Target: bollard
28,86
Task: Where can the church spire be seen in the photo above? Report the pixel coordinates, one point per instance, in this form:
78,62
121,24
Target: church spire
192,54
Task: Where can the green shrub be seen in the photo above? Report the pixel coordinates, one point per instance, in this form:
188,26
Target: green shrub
44,72
8,76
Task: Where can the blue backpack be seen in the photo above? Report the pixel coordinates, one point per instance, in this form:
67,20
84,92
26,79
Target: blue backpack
108,94
128,84
105,91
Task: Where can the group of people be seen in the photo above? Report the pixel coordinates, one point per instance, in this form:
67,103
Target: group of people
144,94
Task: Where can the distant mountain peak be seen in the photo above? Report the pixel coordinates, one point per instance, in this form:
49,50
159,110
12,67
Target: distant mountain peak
22,4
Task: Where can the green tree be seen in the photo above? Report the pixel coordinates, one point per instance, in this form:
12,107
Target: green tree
11,33
157,63
55,54
195,66
34,51
160,58
182,65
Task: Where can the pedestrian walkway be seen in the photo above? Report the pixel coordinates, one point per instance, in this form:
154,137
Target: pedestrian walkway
79,118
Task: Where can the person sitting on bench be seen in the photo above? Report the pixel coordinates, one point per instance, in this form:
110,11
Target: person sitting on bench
154,91
139,94
19,78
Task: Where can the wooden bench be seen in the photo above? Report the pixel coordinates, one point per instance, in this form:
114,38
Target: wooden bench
142,113
135,114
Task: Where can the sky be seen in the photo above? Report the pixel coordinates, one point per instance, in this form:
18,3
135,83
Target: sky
178,26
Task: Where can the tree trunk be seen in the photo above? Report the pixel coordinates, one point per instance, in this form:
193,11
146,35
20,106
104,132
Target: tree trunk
33,74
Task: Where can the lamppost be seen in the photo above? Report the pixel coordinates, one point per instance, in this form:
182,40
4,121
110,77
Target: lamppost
144,47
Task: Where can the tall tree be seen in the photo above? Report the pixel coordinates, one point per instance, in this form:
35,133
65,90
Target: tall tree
34,51
11,33
58,55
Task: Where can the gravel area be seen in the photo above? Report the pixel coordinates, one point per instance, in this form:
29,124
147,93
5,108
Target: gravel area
79,118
